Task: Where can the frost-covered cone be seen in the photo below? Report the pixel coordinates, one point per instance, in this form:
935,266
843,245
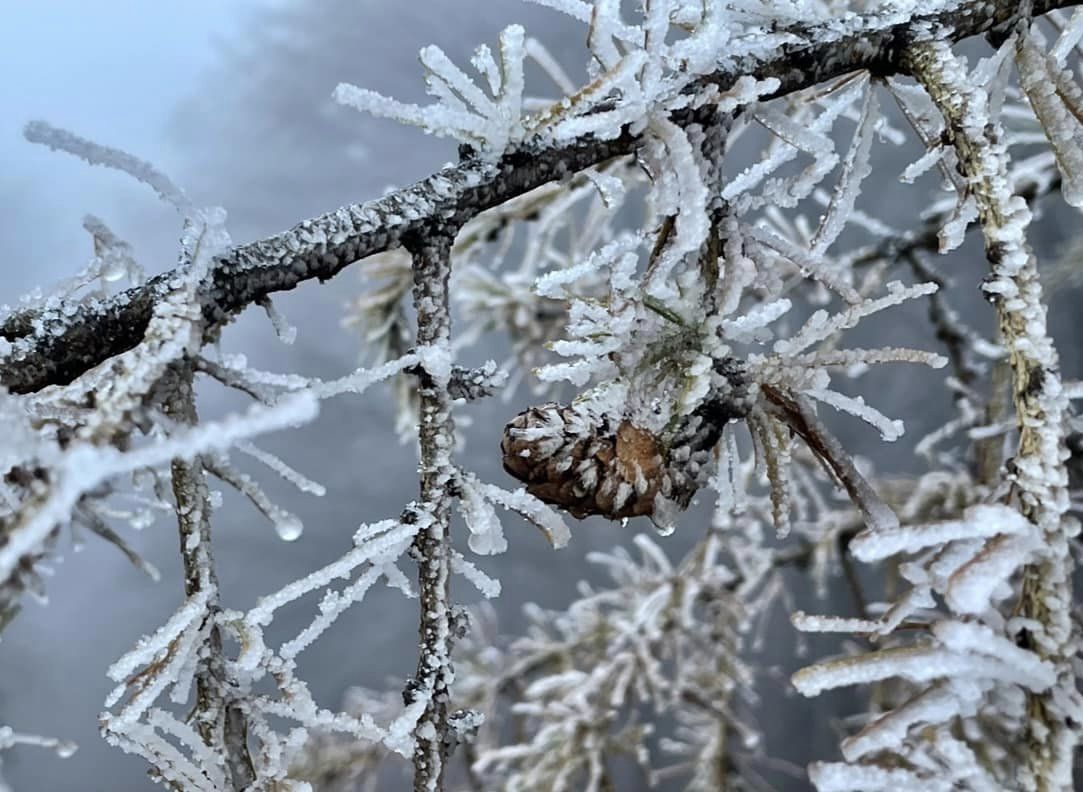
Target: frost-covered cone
597,463
584,463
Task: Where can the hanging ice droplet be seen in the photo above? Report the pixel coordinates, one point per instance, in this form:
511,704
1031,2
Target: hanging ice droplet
141,519
665,515
65,748
289,528
113,268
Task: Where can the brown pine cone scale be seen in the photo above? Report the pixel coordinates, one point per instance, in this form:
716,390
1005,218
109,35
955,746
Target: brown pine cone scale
587,465
593,463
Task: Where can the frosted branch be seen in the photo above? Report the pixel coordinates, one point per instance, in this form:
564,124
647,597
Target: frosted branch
55,347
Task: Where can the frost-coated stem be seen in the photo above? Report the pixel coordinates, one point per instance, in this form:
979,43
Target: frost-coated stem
219,723
431,549
56,346
1038,470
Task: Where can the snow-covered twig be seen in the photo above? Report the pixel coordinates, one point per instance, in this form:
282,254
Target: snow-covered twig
1038,469
218,720
432,546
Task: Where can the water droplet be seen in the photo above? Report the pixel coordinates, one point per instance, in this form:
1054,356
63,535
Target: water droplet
665,529
113,269
65,748
665,516
289,528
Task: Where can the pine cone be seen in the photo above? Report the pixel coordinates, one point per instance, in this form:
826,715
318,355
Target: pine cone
590,463
587,464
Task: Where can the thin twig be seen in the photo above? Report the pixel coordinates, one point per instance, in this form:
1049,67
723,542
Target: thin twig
432,547
218,721
1038,473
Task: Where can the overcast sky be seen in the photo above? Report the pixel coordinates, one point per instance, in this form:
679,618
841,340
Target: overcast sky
113,71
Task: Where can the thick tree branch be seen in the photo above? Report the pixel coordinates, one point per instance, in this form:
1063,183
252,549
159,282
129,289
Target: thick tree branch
49,347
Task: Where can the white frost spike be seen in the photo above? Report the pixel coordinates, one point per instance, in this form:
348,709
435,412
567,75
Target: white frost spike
113,256
486,533
839,777
1069,39
522,502
617,255
1045,84
512,53
488,587
915,664
440,67
889,429
96,154
931,158
370,541
981,521
362,379
952,234
809,265
205,236
150,646
462,110
281,468
85,467
487,68
938,704
604,23
286,332
854,170
973,585
979,638
811,138
750,326
688,198
385,542
820,326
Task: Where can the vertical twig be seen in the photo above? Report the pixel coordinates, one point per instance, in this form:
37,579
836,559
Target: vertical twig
436,434
218,721
712,149
1038,471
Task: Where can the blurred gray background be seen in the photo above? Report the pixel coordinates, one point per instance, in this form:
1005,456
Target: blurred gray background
233,101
